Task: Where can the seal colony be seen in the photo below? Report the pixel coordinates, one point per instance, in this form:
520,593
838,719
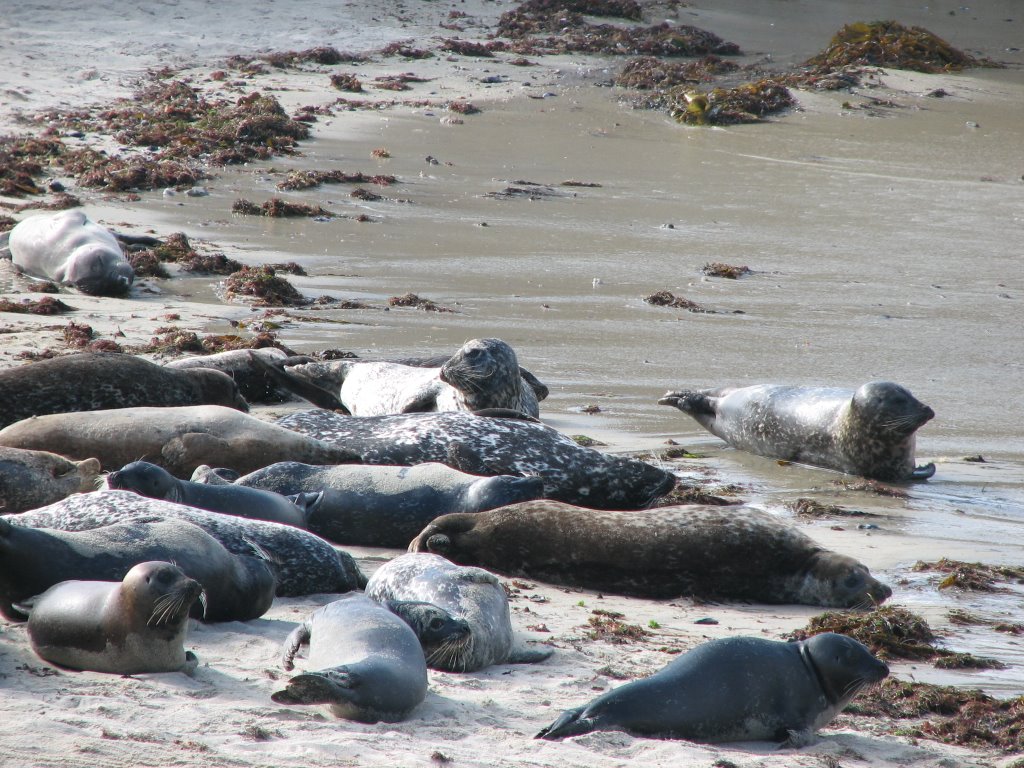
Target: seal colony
867,432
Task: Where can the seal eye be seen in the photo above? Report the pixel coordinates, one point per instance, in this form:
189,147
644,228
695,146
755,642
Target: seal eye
436,623
853,580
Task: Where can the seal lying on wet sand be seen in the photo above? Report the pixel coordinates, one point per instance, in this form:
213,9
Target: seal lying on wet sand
305,563
253,381
867,432
129,627
91,381
735,689
30,479
471,594
492,443
703,551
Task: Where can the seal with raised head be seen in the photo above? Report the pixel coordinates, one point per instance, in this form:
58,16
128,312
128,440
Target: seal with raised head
492,443
69,248
129,627
484,373
471,594
735,689
364,661
703,551
386,506
30,479
177,439
238,587
305,563
253,381
155,482
868,432
91,381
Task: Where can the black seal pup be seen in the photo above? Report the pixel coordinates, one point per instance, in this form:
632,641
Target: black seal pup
129,627
867,432
704,551
735,689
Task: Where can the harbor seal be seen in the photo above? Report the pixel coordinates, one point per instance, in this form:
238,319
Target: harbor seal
365,661
69,248
238,587
155,482
735,689
305,563
492,443
30,479
129,627
702,551
483,373
177,439
254,383
386,506
471,594
867,432
91,381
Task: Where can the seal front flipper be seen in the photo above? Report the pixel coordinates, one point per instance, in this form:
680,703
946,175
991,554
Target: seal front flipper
529,655
569,723
307,390
924,472
795,739
324,687
688,401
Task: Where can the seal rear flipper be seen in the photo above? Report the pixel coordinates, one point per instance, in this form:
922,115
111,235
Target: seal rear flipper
795,739
297,638
529,655
324,687
307,502
687,401
569,723
307,390
923,472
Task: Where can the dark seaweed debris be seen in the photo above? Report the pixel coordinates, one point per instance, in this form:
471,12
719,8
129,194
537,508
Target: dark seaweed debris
971,576
44,306
265,285
718,269
668,299
275,207
412,300
307,179
747,103
650,72
608,626
23,159
806,507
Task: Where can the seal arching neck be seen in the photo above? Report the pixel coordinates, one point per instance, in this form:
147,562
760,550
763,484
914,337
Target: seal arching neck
827,688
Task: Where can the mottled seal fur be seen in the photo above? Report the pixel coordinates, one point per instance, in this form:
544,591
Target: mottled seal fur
502,444
483,373
177,439
867,432
91,381
704,551
471,594
386,506
69,248
253,381
305,563
238,586
364,661
30,479
129,627
735,689
155,482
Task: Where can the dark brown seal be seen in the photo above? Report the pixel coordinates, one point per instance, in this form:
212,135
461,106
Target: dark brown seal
91,381
702,551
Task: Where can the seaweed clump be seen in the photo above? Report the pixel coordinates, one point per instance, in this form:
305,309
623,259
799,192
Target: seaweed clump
805,507
23,159
668,299
412,300
747,103
277,208
308,179
650,73
975,577
263,283
44,306
718,269
609,626
890,44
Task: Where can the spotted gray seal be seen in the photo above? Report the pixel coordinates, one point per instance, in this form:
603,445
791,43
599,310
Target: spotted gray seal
155,482
129,627
238,586
90,381
492,443
867,432
471,594
177,439
69,248
483,373
364,661
386,506
305,563
30,479
705,551
735,689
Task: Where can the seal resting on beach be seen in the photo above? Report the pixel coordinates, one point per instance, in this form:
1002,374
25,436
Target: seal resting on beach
702,551
386,506
155,482
30,479
69,248
254,383
364,661
867,432
91,381
177,439
471,594
129,627
305,563
483,373
492,442
735,689
238,587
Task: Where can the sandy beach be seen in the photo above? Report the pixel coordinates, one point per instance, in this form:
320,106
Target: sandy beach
882,226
